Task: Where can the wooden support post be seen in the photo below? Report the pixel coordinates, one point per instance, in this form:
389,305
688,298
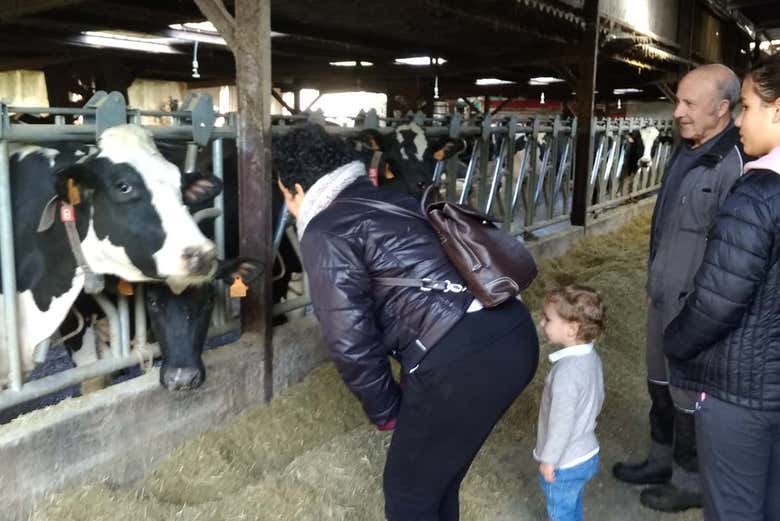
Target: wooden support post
586,89
248,35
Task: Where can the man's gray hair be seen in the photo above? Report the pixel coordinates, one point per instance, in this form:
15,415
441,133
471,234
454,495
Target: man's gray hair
727,82
730,90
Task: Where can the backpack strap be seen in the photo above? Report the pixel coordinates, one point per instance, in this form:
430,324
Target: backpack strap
426,284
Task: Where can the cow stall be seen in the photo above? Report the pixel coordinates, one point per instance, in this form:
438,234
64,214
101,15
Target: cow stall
192,127
518,171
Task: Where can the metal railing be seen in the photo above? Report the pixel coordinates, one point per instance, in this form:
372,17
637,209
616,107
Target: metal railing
193,125
528,189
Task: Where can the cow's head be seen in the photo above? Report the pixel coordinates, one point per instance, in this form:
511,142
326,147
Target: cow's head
647,138
180,323
409,156
138,226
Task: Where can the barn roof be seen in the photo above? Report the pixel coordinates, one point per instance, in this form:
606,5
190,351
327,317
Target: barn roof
508,39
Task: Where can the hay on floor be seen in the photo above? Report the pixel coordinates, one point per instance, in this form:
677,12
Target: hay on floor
310,455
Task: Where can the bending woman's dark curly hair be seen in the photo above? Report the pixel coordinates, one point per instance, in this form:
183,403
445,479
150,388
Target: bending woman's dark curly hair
307,153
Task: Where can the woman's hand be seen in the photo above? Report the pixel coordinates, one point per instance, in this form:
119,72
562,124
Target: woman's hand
389,425
547,470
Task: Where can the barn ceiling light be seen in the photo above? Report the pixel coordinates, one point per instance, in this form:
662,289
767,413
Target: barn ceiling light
544,80
197,36
630,90
420,61
194,29
128,41
492,81
352,64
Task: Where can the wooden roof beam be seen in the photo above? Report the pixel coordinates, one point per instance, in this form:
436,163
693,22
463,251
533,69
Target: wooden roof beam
10,9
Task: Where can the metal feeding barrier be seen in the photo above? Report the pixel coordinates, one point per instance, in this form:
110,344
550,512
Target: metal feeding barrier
518,170
193,126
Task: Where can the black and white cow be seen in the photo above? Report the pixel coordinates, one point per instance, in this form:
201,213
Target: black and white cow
642,144
408,156
130,222
180,323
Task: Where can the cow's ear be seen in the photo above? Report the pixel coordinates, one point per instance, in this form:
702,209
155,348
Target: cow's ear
247,268
198,188
450,147
74,181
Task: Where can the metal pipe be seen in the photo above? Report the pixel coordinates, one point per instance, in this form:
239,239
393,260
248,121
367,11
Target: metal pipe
437,171
217,160
123,307
56,382
562,167
520,177
281,226
8,266
222,299
113,321
472,166
542,173
190,157
497,174
140,318
281,308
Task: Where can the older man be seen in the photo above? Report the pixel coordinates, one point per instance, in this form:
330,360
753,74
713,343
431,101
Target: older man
700,173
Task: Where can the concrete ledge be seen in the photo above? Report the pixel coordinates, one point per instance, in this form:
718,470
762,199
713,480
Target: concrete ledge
558,243
123,432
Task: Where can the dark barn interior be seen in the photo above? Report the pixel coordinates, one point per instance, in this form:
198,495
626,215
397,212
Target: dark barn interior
513,40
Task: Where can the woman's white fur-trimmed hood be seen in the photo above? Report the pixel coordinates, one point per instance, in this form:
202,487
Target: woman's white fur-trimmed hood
325,190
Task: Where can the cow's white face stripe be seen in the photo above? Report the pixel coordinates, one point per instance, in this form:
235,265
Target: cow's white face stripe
134,146
420,141
649,135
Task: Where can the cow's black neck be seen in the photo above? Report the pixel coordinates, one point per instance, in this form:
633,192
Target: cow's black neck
45,264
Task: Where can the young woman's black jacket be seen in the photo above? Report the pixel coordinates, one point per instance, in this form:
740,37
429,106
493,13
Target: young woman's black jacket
726,339
344,247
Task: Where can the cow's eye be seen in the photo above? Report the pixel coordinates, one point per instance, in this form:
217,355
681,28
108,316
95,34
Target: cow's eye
123,187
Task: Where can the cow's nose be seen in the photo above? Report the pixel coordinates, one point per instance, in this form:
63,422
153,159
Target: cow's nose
200,261
645,161
181,378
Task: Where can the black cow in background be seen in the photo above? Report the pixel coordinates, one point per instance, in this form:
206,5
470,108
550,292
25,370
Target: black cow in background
286,262
408,156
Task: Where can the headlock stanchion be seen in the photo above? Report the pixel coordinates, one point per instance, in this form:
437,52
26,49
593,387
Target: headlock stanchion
195,126
528,189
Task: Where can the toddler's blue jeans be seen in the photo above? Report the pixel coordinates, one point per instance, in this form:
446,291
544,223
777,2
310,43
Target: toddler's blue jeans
564,495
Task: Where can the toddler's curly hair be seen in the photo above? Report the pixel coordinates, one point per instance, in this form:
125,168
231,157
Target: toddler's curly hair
582,305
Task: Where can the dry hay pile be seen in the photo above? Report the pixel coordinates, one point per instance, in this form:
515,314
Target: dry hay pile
310,455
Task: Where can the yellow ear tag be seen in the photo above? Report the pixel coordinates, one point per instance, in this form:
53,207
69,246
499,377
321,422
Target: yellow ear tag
74,196
238,288
124,288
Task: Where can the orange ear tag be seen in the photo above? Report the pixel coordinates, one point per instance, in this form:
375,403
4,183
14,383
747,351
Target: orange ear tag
438,155
74,196
238,288
125,288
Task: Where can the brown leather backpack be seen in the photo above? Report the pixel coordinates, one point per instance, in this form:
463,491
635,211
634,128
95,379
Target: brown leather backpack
494,265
